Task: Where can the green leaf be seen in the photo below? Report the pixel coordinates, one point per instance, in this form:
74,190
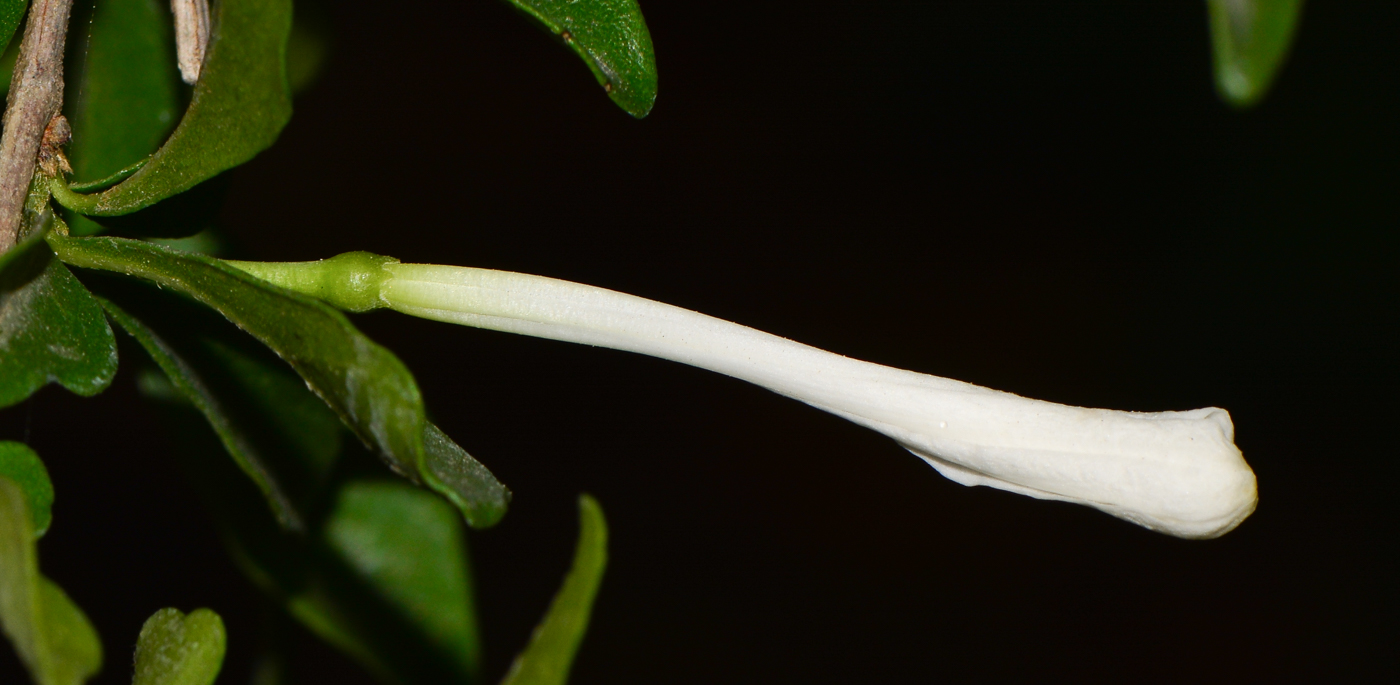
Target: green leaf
612,38
175,649
407,547
551,652
366,385
126,96
1251,39
11,12
279,434
21,465
53,638
239,107
51,329
352,281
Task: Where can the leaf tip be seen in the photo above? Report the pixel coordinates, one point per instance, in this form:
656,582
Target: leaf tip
635,101
174,647
23,466
1251,40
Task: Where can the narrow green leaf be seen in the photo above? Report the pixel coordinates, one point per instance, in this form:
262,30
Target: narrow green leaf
352,281
278,433
408,547
239,107
53,638
175,649
1251,39
612,38
126,97
21,465
546,661
51,329
11,12
365,384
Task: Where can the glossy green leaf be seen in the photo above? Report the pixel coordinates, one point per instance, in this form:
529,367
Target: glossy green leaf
11,12
612,38
546,661
175,649
51,328
239,107
126,96
408,547
279,433
365,384
21,465
351,281
1251,39
49,632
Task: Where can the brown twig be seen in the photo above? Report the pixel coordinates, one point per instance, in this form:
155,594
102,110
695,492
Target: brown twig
36,96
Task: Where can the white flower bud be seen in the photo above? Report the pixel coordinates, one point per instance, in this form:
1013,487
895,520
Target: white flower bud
1175,472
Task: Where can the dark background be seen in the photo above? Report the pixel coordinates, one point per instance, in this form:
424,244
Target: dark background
1042,197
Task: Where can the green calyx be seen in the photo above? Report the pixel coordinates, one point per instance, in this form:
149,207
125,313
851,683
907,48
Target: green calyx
350,281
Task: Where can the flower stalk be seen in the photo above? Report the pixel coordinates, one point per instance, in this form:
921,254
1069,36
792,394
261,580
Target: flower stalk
1175,472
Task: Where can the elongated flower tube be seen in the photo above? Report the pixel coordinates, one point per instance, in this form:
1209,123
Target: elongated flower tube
1175,472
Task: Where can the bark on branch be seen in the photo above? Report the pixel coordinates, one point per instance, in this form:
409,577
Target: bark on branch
36,96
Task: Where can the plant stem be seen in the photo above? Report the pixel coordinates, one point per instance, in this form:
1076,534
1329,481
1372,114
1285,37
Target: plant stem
36,96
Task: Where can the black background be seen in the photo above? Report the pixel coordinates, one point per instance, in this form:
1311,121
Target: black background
1041,197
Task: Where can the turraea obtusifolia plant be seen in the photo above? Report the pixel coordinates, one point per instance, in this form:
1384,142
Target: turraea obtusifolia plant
292,361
